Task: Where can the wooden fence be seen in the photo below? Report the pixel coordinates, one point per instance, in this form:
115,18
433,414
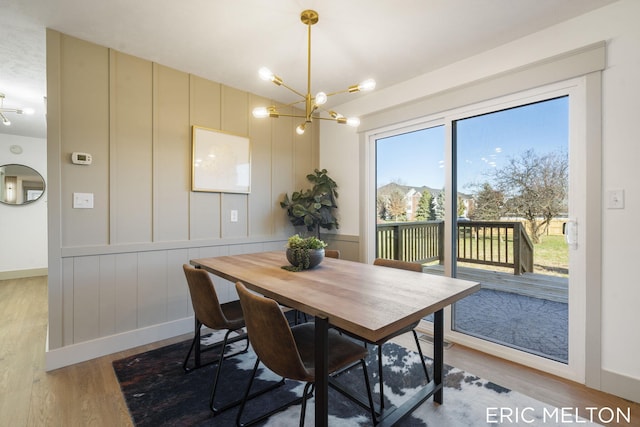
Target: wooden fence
498,243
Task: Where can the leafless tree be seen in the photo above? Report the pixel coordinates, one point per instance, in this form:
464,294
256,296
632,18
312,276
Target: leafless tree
535,187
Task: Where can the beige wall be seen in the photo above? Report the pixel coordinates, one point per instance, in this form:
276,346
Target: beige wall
115,270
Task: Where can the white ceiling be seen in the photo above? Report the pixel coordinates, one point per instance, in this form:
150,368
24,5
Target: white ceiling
227,41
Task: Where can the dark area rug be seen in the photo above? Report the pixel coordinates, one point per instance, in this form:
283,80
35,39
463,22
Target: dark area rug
159,393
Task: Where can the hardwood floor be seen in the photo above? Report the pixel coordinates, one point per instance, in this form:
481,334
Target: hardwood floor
88,394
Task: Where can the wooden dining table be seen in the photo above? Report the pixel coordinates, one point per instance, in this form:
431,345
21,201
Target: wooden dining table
364,300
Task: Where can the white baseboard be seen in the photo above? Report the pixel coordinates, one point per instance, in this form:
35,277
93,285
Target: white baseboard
620,385
19,274
76,353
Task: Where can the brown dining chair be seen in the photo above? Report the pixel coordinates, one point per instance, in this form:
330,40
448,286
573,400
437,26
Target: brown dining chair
403,265
332,253
210,313
288,351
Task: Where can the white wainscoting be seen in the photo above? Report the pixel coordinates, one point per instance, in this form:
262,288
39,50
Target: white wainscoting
118,300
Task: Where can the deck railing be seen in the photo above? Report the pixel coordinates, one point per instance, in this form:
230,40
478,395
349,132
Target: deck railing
498,243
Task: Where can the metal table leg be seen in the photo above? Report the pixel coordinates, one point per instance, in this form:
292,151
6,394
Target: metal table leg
321,368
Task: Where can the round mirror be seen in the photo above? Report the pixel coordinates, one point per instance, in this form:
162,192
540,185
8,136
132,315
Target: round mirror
19,185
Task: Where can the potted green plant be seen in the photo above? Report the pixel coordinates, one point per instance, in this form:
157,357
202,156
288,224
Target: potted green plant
314,207
304,253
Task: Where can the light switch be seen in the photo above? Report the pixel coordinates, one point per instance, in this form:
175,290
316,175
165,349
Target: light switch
83,200
234,216
615,199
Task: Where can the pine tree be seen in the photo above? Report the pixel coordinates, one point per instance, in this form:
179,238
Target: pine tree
425,207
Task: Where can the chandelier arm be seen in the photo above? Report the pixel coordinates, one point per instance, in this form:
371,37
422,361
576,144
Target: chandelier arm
338,92
292,103
325,118
294,91
297,116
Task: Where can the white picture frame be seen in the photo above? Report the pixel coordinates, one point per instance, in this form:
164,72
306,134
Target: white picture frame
221,161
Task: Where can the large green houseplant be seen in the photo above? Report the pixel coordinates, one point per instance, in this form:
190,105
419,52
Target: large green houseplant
314,208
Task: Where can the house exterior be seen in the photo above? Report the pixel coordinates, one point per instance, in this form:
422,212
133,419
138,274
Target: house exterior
412,197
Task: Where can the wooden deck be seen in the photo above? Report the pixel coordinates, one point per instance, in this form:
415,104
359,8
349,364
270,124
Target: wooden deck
552,288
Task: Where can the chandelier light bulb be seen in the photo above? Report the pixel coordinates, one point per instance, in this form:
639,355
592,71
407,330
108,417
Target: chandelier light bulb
321,98
300,129
260,112
28,111
265,73
367,85
353,122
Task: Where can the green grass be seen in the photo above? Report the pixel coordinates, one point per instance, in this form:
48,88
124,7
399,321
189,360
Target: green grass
551,256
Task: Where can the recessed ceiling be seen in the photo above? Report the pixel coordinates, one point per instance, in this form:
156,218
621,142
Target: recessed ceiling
227,41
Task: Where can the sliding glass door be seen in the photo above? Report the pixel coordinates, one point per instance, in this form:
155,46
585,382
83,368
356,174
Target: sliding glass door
514,165
493,192
410,195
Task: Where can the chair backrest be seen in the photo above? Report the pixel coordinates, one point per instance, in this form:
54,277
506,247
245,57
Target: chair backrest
204,298
270,335
332,253
394,263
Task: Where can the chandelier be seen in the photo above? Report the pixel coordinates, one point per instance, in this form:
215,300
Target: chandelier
5,120
312,103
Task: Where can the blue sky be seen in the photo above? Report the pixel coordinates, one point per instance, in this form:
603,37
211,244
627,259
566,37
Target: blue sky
484,142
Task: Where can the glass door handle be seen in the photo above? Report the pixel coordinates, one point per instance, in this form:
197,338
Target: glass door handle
571,233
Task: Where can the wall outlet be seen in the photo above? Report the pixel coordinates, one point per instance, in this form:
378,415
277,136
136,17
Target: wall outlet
234,216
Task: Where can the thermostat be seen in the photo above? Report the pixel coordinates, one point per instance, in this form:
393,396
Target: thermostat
81,158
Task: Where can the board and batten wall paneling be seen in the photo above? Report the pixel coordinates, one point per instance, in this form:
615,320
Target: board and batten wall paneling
178,300
126,289
205,111
237,203
235,111
205,99
86,298
84,101
261,208
235,120
282,166
131,118
107,299
152,288
171,154
115,270
113,293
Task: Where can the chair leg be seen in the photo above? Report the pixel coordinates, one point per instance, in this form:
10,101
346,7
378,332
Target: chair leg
195,348
303,410
381,375
194,344
217,376
215,410
424,365
247,396
369,394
